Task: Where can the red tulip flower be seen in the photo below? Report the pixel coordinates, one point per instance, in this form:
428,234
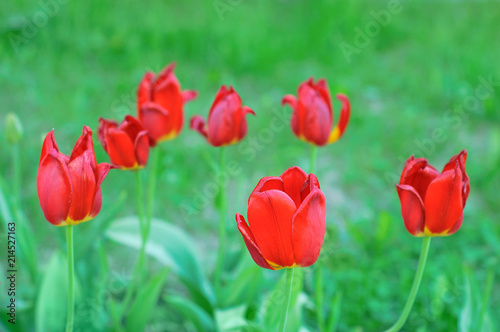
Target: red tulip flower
312,116
432,203
226,120
69,188
126,144
286,218
160,104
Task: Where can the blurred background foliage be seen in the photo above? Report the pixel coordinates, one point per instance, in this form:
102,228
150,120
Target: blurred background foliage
413,89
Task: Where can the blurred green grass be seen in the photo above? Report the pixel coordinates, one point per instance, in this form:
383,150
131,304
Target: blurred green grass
88,58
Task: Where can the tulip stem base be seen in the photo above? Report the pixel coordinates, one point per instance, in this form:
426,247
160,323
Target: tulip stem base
286,303
222,224
71,279
414,288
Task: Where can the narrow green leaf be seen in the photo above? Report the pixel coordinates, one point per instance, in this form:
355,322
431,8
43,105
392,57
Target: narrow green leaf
193,313
147,297
245,285
334,312
51,305
171,246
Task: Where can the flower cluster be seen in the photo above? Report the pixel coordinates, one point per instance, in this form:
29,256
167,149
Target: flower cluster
286,214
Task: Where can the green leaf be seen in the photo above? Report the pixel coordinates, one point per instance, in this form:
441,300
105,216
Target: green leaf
246,283
335,312
193,313
147,297
231,319
467,314
171,246
51,306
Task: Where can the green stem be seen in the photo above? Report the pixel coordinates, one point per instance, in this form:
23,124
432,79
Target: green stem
286,304
71,279
319,296
314,152
152,190
140,261
486,298
140,202
17,176
414,288
222,224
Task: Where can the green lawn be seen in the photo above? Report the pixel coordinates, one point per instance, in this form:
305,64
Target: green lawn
426,83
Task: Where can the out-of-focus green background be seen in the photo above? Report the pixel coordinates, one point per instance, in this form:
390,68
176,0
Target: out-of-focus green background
422,76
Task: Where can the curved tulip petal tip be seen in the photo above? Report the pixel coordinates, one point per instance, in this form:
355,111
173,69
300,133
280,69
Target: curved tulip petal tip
198,124
250,243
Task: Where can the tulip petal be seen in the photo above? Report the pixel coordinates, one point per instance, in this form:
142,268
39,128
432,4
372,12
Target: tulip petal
308,228
198,123
166,76
409,160
102,172
314,116
83,145
144,92
54,187
221,94
461,158
324,91
296,119
167,93
309,185
419,174
96,204
293,181
188,95
131,126
243,122
84,186
457,225
412,209
249,239
268,183
224,120
155,120
345,113
270,217
141,148
120,148
290,100
443,201
49,143
104,126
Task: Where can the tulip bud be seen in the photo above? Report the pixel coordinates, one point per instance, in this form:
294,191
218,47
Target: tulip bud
226,119
13,128
160,104
312,117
